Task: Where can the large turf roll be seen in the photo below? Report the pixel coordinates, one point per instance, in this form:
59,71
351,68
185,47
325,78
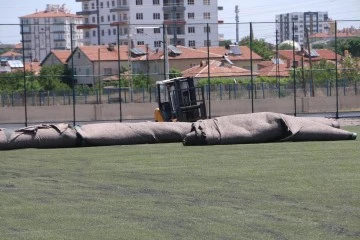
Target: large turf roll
39,136
264,127
103,134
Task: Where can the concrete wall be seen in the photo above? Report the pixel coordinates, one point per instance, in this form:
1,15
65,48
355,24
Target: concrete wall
144,111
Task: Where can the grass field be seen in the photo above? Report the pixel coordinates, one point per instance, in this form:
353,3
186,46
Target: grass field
308,190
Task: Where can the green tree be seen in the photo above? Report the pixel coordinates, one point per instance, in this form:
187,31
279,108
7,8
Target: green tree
259,46
173,73
318,46
352,45
285,46
225,43
350,68
54,77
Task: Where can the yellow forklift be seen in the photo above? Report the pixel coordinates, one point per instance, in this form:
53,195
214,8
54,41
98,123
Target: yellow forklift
179,100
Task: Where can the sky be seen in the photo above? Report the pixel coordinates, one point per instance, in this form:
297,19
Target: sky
255,11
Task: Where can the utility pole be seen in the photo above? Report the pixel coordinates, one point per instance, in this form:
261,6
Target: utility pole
237,22
310,61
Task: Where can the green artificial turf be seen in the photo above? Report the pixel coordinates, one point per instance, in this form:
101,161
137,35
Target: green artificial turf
307,190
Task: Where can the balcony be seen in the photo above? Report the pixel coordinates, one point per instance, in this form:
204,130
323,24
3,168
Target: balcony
174,8
120,8
174,21
119,23
86,12
86,26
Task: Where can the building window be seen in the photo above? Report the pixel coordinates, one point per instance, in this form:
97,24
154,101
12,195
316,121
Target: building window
108,18
206,15
87,34
109,32
191,15
94,33
206,42
114,31
102,19
206,2
140,30
156,30
140,43
107,71
101,5
191,43
139,16
93,19
207,29
114,17
191,29
92,5
157,44
156,15
102,32
107,4
156,2
113,3
190,2
139,2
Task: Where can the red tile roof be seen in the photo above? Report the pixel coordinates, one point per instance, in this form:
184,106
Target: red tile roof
94,53
221,51
326,35
217,69
323,54
10,53
269,69
33,67
62,55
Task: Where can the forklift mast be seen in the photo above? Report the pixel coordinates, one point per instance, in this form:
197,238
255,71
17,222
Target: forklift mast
179,100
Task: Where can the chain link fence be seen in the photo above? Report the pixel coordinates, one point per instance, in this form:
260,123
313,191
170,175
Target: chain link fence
320,74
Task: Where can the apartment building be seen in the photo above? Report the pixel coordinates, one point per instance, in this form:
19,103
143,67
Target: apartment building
188,23
304,22
46,30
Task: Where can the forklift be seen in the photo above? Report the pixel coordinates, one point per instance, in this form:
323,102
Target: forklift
179,100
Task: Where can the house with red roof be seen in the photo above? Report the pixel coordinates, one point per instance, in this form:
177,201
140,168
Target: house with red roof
271,69
56,57
218,69
98,63
315,55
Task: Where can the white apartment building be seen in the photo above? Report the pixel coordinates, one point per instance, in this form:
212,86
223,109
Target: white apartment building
46,30
312,22
186,22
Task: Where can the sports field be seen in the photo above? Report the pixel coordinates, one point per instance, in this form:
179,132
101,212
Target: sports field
306,190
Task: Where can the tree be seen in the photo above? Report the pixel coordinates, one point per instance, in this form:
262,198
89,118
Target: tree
54,77
285,46
173,73
259,46
352,45
318,46
225,43
350,68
